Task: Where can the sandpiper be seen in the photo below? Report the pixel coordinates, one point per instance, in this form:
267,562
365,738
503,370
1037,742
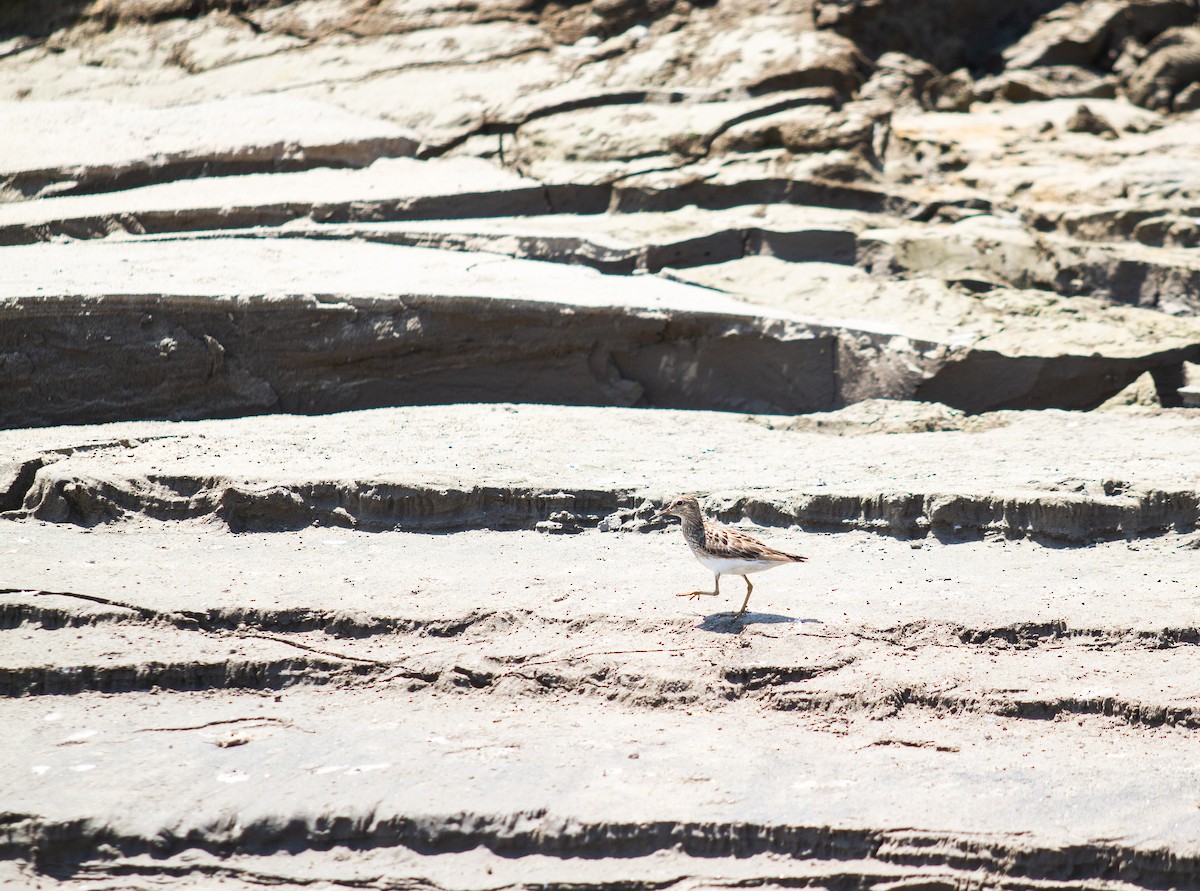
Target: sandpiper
722,550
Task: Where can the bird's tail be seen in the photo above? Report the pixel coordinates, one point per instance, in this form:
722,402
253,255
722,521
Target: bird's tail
796,558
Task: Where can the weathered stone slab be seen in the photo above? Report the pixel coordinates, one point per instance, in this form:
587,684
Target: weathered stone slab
481,671
718,183
627,243
1054,341
494,603
1166,278
193,328
311,771
118,145
1025,153
480,867
1075,35
503,659
627,132
339,589
1007,348
988,250
1079,478
1048,82
399,188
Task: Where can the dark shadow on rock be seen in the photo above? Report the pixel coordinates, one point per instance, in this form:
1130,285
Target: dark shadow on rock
40,18
728,623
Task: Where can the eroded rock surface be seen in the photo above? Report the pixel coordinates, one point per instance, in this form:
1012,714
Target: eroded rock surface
621,129
854,271
1122,479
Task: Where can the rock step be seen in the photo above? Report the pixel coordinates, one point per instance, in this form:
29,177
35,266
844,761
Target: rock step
404,189
140,145
54,610
995,251
480,867
235,326
318,327
620,244
528,617
841,671
388,189
761,856
275,472
319,767
58,496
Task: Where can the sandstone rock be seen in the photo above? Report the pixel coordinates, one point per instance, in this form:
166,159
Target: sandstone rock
390,188
1169,230
880,353
1104,35
1087,121
1003,348
1051,82
1172,63
516,466
380,324
898,80
1164,278
1074,34
220,39
625,243
1142,392
802,131
131,145
953,92
1081,186
1115,219
620,133
977,248
398,645
303,762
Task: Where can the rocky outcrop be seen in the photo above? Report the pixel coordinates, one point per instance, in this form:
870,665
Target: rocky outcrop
715,167
1142,392
348,349
1046,50
1170,67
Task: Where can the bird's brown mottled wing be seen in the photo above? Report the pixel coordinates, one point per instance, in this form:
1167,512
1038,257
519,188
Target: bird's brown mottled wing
726,542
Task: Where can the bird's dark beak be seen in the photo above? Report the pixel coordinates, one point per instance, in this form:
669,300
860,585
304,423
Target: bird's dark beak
662,515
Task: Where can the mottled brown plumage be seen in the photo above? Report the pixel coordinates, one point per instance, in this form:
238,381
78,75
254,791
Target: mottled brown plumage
723,550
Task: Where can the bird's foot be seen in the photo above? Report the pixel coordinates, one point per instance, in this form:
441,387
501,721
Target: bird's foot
695,595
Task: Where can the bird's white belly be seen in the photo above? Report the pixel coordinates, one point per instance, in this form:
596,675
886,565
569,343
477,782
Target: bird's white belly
732,565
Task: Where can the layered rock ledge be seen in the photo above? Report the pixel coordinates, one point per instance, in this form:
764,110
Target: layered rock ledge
347,350
499,467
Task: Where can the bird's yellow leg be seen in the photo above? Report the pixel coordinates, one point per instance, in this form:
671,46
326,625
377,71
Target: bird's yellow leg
697,594
749,588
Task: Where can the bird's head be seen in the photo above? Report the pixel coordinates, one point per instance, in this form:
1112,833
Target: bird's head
682,506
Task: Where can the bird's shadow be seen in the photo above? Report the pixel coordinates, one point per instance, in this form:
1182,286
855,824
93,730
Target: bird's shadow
728,623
